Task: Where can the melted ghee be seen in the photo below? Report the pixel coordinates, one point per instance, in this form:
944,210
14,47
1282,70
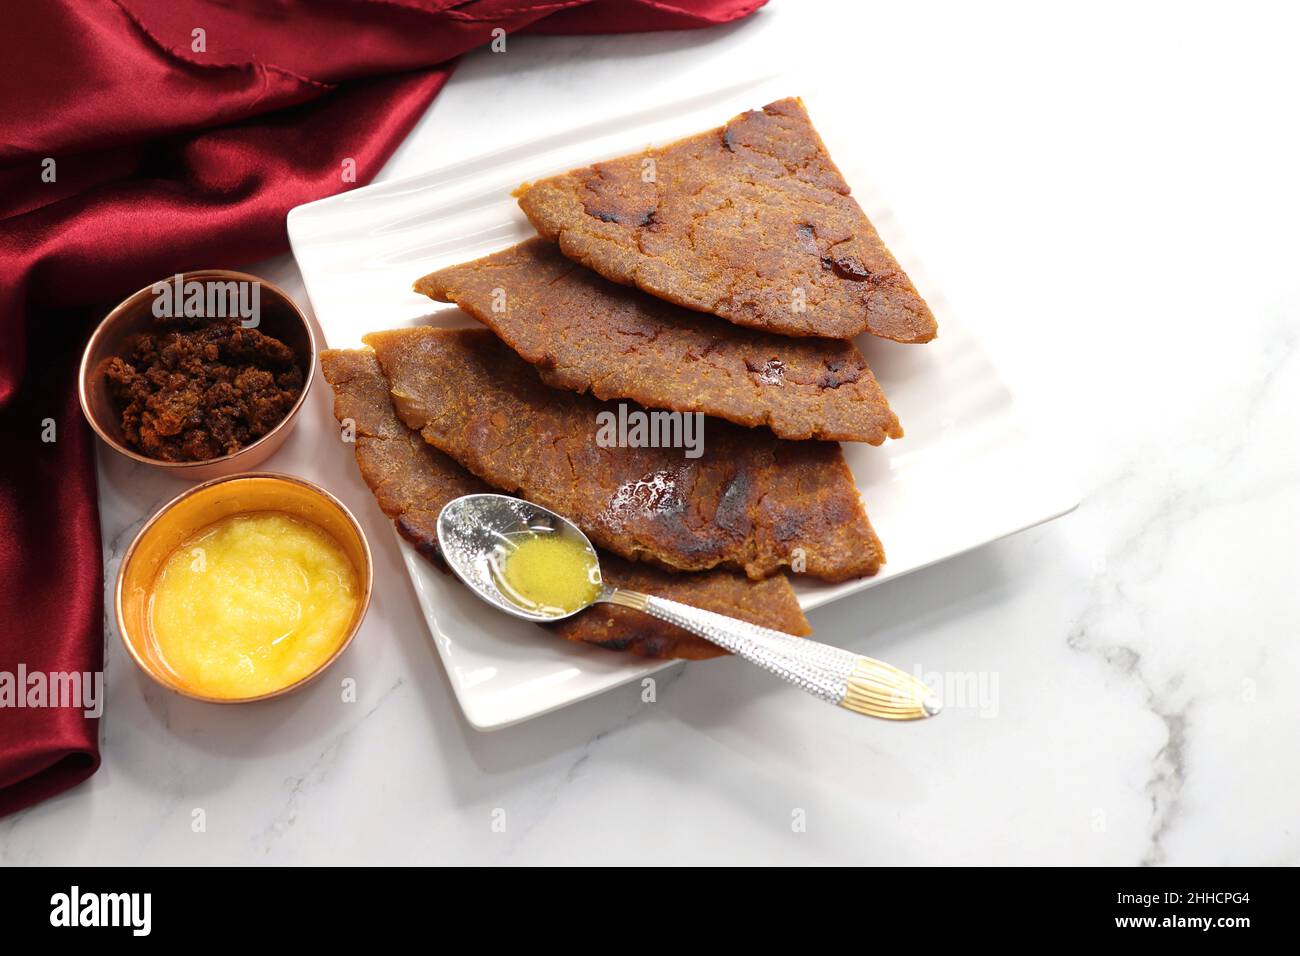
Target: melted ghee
252,604
549,573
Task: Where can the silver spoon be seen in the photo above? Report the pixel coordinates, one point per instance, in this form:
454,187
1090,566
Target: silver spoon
476,534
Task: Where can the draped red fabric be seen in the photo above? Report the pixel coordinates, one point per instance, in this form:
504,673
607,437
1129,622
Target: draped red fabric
139,138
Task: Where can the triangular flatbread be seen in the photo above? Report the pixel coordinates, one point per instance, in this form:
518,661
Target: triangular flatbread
748,500
585,333
751,222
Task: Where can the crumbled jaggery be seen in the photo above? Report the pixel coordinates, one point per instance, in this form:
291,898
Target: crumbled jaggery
190,392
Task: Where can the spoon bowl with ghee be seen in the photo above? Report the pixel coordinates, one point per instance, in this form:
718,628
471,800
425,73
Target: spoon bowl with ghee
534,564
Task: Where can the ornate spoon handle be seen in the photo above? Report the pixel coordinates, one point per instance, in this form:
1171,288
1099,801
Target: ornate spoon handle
857,683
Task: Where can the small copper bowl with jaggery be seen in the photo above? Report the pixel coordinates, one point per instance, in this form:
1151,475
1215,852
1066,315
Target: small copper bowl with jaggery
201,374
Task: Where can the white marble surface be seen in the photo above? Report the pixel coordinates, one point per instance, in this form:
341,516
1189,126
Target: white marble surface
1110,197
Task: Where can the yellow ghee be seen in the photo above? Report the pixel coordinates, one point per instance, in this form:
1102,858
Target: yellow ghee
549,573
252,604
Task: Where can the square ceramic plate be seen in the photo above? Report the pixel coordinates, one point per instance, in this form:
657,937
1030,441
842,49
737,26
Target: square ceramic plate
965,475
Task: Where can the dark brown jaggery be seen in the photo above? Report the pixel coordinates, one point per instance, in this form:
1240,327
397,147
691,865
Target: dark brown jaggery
192,391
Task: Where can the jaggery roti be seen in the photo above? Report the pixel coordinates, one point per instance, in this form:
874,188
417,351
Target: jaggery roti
412,480
750,501
751,222
585,333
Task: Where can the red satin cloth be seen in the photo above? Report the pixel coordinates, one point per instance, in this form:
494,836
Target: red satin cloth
166,159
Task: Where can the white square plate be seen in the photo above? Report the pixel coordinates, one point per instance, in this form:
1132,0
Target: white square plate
965,474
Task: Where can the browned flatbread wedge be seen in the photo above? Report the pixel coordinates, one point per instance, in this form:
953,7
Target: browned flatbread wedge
412,480
750,501
585,333
751,222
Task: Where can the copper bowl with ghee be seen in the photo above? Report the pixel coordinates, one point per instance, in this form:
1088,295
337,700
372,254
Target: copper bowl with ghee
279,317
202,506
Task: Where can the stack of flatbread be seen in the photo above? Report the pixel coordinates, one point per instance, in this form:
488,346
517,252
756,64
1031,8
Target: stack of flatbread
724,275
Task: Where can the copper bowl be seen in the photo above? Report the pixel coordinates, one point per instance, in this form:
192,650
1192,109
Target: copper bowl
279,317
199,507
